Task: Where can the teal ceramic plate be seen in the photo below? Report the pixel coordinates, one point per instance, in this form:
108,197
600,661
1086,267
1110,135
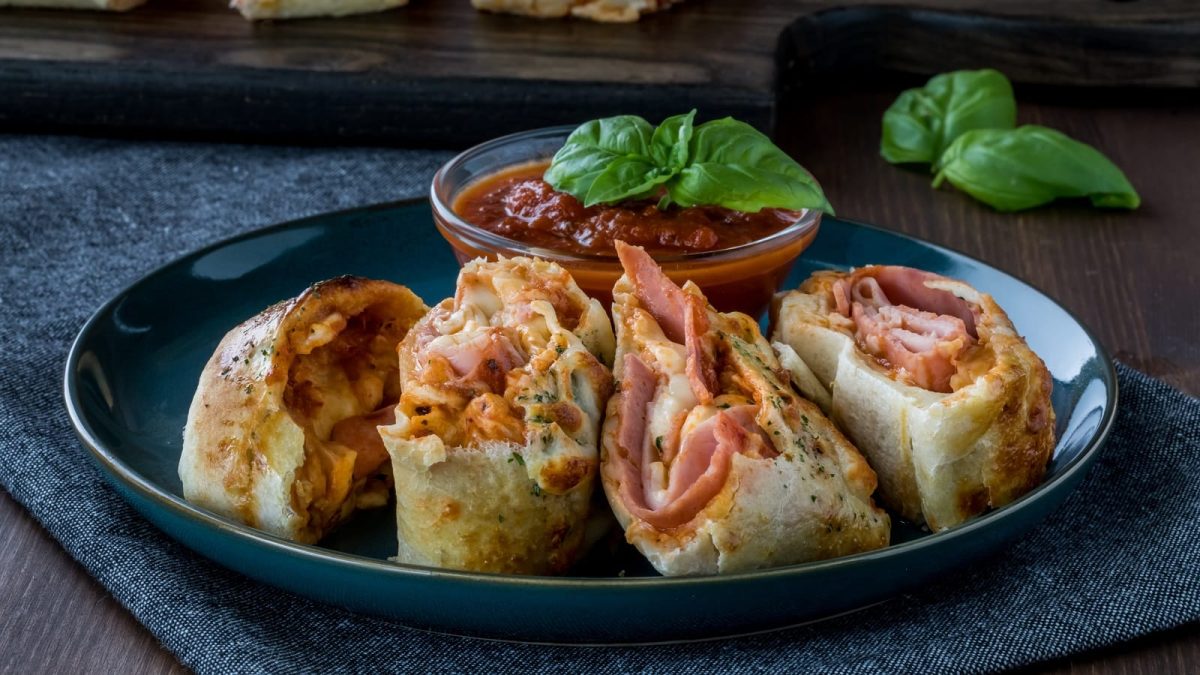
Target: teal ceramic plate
132,370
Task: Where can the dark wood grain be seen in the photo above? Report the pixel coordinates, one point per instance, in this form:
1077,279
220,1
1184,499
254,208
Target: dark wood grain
54,618
438,72
1132,277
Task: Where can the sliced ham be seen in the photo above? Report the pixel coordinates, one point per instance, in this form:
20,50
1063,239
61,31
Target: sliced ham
759,444
755,443
658,294
427,331
918,329
701,362
905,286
637,389
682,316
841,297
696,475
485,357
700,468
361,434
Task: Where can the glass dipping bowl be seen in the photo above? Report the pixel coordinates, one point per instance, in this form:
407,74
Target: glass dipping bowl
740,278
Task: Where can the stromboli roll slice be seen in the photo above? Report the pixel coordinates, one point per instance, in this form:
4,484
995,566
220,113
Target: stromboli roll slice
607,11
281,433
300,9
933,383
494,447
711,461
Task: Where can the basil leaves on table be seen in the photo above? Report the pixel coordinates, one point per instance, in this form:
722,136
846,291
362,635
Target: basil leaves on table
923,122
1014,169
962,124
722,163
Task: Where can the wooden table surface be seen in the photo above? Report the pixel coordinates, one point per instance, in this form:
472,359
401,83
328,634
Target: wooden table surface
428,68
1132,277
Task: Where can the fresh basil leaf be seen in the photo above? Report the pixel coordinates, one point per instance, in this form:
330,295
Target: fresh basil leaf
923,122
590,149
625,178
744,189
669,145
736,166
723,163
1015,169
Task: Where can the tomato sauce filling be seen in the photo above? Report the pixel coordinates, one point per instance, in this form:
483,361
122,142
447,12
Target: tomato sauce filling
516,203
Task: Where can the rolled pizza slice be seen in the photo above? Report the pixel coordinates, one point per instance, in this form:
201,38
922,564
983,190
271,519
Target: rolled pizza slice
494,447
931,381
712,462
607,11
299,9
281,434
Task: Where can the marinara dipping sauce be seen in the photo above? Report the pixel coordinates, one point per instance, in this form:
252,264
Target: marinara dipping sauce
518,204
738,259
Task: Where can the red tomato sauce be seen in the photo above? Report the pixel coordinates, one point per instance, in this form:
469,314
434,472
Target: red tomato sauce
516,203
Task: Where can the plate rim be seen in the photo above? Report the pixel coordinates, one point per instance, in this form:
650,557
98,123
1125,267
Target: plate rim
115,468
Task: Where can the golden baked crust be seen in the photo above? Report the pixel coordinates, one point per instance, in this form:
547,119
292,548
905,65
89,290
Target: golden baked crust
298,9
494,446
942,458
257,445
607,11
804,496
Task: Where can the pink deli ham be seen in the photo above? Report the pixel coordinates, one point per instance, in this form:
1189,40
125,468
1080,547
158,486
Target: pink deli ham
920,330
698,470
682,316
485,358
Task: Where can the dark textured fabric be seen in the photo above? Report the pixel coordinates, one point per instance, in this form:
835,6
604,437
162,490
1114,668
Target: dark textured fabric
82,218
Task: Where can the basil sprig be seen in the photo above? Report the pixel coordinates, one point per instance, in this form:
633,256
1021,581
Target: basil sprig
924,121
962,124
1014,169
722,163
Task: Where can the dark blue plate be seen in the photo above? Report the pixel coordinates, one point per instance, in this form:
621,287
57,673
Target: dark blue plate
132,370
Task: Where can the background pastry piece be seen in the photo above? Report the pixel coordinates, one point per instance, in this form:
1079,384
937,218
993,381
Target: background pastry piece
711,460
610,11
494,447
931,381
281,431
298,9
111,5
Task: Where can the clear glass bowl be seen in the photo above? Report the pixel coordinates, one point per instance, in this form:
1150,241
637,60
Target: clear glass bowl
741,278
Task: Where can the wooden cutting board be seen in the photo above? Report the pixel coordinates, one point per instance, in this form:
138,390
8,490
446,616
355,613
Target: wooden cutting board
438,73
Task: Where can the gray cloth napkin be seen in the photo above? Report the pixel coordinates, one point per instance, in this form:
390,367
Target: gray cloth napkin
81,218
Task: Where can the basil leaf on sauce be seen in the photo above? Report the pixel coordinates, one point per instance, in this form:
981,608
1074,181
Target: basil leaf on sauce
923,122
736,166
669,145
590,149
624,178
721,163
1015,169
